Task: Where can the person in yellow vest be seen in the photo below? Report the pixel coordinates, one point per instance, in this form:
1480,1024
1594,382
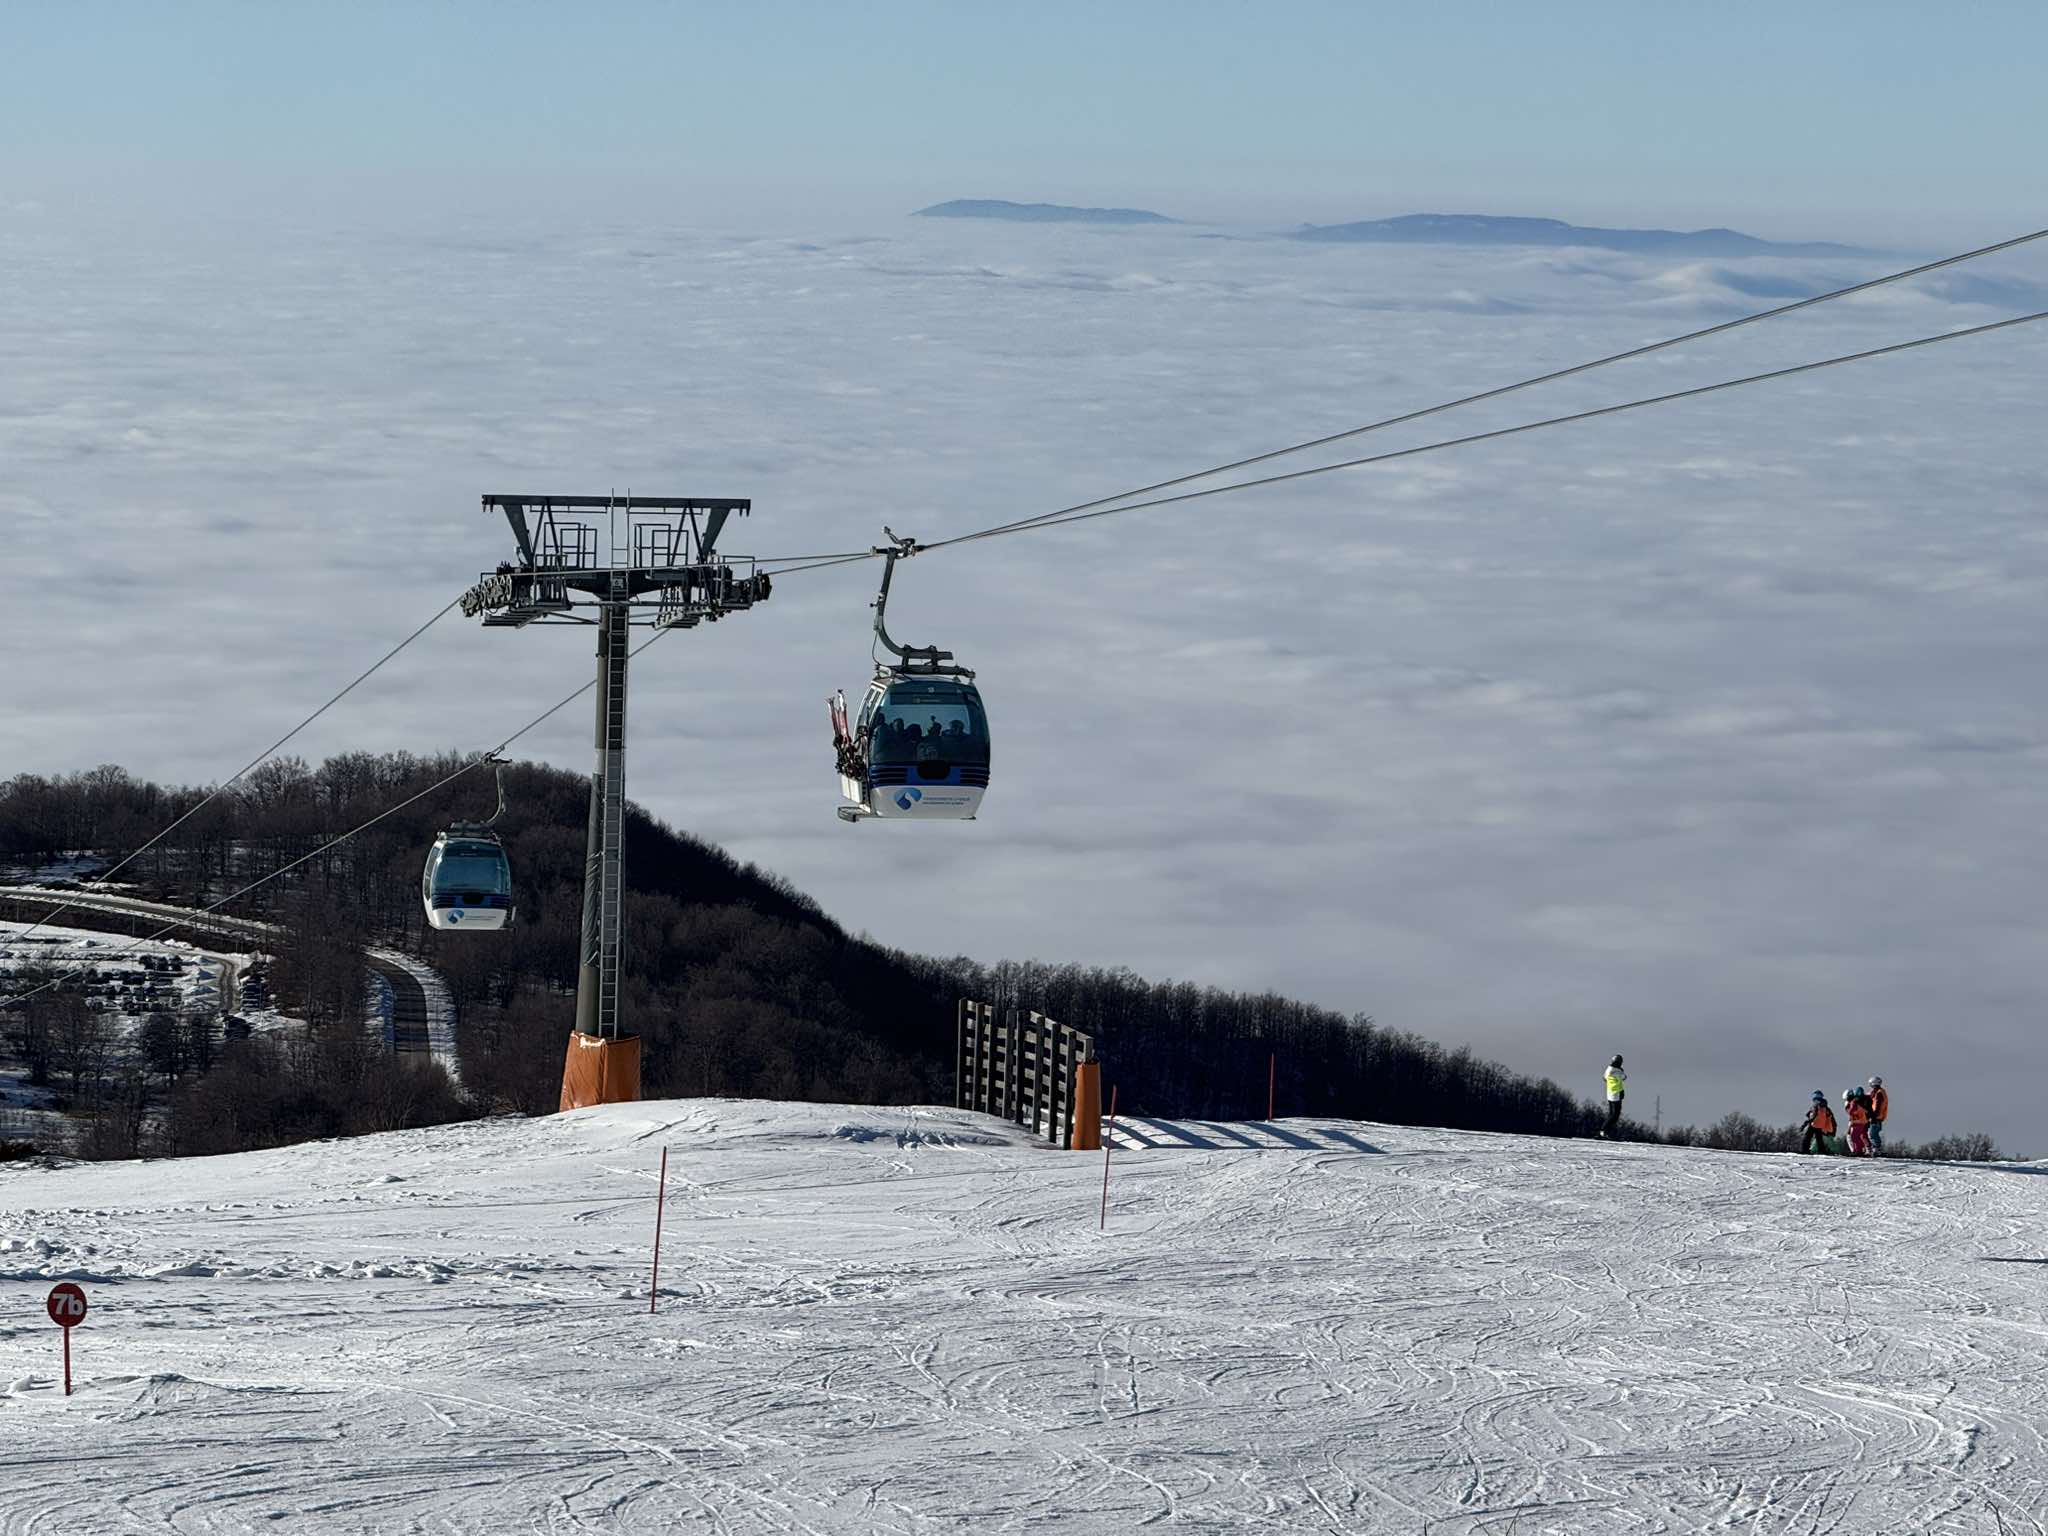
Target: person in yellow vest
1880,1106
1617,1089
1819,1126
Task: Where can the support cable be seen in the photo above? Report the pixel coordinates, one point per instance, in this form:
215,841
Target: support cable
1500,432
1543,378
262,757
787,564
1091,510
475,762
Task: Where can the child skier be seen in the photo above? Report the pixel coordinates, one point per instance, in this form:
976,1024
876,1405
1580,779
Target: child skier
1617,1086
1880,1106
1819,1126
1857,1109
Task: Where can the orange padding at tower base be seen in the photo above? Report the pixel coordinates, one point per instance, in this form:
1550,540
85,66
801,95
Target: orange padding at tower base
600,1071
1088,1107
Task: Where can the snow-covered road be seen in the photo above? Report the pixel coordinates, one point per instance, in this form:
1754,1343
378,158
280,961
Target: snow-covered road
906,1320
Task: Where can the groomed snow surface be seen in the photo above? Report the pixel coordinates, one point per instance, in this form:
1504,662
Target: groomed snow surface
906,1320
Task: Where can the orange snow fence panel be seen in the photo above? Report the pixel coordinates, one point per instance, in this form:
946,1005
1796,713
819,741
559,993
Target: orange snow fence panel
601,1071
1088,1107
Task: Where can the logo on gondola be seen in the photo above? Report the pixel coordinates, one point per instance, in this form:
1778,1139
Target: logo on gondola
455,914
908,798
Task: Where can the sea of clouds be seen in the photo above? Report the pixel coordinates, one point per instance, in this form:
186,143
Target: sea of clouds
1711,734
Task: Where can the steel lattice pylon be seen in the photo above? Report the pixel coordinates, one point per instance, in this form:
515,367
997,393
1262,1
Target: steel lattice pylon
658,571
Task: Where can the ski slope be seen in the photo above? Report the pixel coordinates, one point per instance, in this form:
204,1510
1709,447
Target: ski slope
907,1321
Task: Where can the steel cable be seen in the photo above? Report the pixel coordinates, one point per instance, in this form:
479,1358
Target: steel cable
1543,378
255,762
1499,432
335,842
793,564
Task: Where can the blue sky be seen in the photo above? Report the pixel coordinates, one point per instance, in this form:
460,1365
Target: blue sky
1812,119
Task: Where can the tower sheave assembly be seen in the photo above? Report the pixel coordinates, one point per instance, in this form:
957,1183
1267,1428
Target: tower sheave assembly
655,568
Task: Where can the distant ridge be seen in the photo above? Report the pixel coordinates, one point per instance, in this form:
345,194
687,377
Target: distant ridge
1038,213
1486,229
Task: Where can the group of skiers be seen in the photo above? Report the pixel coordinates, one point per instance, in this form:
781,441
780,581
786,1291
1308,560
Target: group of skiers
1863,1107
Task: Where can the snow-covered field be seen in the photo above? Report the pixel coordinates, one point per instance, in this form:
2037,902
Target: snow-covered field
140,976
195,981
907,1320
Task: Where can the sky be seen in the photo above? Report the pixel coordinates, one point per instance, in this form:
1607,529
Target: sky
1778,116
1710,735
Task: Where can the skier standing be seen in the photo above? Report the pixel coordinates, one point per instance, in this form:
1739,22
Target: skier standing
1819,1126
1617,1087
1880,1106
1857,1110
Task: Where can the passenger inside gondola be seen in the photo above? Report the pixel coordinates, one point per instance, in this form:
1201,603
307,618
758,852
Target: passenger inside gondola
955,730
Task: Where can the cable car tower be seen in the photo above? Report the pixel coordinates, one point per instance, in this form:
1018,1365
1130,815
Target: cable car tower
654,567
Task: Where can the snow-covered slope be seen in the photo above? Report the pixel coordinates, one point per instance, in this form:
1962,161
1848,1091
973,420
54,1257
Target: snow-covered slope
906,1320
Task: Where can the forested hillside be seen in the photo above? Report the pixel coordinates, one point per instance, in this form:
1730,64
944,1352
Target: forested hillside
739,984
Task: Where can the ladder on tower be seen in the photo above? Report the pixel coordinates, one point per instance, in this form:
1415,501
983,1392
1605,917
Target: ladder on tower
612,812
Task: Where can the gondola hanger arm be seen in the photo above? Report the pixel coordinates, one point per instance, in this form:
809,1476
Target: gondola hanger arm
927,658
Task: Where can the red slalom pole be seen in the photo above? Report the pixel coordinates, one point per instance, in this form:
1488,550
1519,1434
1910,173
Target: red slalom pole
660,1199
1103,1224
1272,1079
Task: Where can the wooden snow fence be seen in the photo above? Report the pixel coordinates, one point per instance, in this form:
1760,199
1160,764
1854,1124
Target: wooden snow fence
1021,1067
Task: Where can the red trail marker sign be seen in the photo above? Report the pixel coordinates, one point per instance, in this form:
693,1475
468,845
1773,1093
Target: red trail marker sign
66,1305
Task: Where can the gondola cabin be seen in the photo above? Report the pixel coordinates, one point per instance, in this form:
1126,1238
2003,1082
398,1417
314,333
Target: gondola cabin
922,750
467,882
919,751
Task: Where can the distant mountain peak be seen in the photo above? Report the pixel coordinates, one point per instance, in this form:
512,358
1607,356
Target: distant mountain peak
1038,213
1496,229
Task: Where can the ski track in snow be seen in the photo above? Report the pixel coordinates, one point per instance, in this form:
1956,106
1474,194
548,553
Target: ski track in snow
906,1321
